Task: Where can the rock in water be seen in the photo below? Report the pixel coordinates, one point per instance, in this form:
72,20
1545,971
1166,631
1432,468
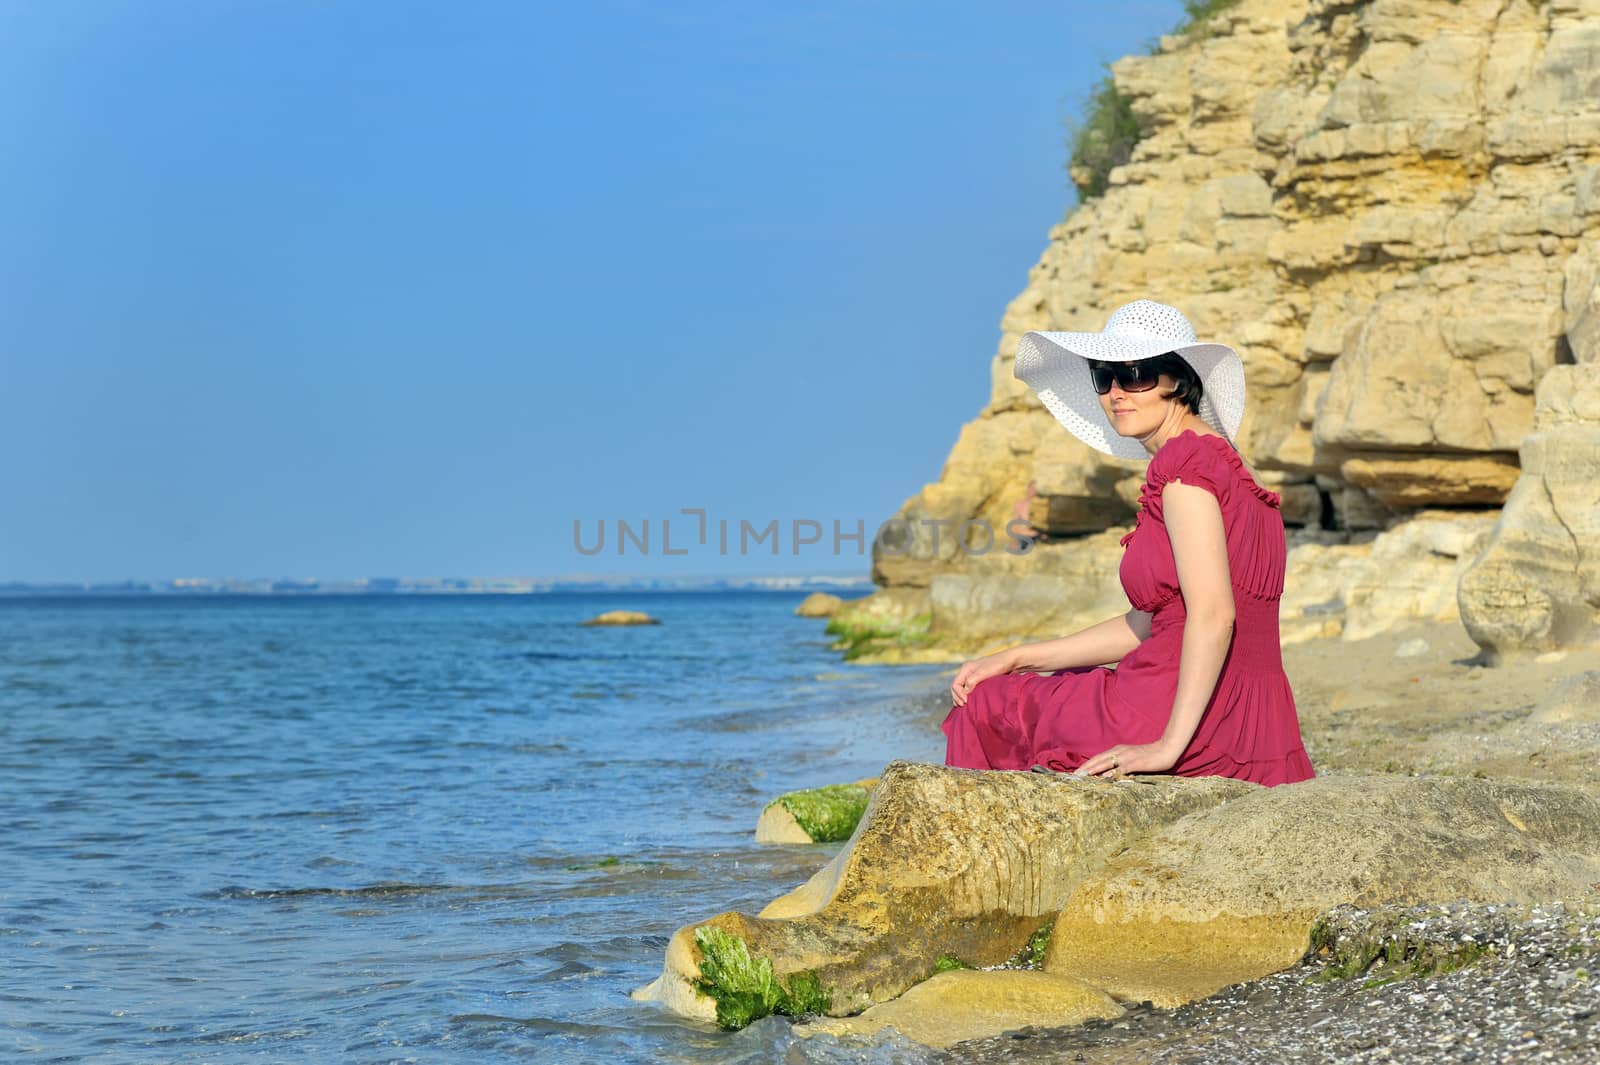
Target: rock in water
818,605
946,862
622,617
1232,893
821,815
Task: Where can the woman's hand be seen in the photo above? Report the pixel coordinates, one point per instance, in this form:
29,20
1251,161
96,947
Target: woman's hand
970,673
1131,758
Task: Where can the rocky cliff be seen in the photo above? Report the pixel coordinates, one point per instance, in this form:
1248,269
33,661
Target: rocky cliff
1392,210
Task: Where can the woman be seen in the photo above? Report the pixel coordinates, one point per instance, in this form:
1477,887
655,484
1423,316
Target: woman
1199,687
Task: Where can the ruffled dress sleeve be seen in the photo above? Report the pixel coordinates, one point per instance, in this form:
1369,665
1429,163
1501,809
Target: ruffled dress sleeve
1190,460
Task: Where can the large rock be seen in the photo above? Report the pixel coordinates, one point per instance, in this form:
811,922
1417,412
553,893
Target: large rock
1431,372
972,1004
1231,893
1407,573
956,862
1077,484
1162,889
1537,586
1057,588
819,605
1403,481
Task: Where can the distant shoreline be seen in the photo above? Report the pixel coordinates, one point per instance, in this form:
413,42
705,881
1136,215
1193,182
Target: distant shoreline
409,587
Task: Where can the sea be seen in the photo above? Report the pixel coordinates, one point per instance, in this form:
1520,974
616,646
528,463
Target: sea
409,828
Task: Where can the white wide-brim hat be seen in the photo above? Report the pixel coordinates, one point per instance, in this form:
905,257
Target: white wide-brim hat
1055,366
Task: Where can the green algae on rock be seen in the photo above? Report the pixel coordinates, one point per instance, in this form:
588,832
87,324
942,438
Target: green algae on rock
1031,956
863,635
827,814
1388,944
610,862
745,988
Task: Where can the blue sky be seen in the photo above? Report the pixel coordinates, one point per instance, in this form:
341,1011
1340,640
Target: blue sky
313,289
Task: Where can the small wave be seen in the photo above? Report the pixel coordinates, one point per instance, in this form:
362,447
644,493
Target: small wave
540,1025
371,891
572,970
601,656
244,1035
327,861
514,748
316,815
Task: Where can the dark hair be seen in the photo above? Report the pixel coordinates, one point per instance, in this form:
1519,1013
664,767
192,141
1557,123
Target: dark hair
1187,388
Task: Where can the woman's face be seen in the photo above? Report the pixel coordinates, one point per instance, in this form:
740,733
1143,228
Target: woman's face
1138,414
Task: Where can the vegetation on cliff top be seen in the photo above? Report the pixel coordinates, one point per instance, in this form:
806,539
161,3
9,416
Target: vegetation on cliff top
1103,140
1197,17
1105,137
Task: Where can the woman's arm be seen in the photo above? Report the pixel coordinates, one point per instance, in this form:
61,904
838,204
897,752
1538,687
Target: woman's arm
1095,646
1200,549
1098,645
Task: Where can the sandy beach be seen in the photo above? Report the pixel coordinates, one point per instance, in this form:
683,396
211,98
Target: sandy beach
1440,711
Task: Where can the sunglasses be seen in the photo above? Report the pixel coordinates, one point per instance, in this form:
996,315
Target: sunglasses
1130,376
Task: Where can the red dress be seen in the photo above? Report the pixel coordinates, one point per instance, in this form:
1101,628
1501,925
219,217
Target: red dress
1249,729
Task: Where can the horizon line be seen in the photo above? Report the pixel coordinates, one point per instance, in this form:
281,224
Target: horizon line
380,582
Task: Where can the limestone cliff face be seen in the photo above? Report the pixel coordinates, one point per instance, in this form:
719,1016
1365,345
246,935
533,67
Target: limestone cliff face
1390,208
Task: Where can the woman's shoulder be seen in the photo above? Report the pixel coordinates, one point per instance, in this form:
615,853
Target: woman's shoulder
1205,460
1193,458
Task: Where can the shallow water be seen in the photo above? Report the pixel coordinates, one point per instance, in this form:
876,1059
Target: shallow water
397,829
